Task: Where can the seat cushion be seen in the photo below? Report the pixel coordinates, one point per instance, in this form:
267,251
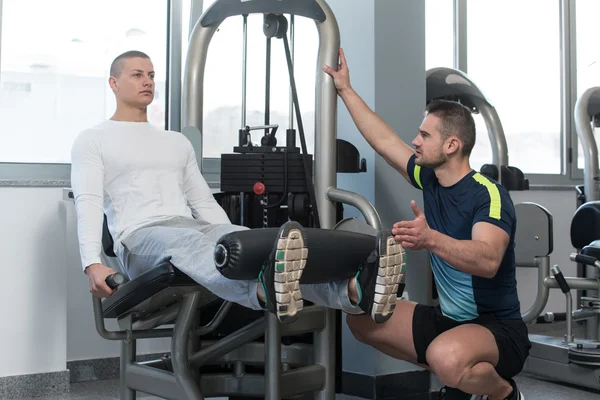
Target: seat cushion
593,250
153,290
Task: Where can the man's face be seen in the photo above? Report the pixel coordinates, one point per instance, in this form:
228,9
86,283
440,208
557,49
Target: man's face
135,85
429,145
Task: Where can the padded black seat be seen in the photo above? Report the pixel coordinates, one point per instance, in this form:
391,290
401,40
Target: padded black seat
592,249
151,291
585,225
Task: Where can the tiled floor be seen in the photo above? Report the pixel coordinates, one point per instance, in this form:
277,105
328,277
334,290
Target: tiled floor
533,389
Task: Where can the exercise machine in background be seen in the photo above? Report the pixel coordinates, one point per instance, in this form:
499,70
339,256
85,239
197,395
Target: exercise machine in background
569,359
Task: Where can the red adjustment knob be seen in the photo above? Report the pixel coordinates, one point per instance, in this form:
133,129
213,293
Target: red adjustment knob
259,188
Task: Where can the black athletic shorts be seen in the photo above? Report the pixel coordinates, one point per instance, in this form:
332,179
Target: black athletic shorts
511,336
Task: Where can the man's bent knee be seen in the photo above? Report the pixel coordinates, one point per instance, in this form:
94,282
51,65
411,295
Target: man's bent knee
447,362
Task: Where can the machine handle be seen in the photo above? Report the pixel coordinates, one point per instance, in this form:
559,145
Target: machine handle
113,281
583,259
560,279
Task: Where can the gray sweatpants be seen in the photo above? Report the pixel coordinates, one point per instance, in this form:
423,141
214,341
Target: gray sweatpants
190,244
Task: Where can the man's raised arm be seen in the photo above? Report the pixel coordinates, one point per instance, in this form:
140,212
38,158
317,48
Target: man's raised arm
375,130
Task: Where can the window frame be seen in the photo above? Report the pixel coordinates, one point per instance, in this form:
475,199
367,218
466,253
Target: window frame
47,174
570,175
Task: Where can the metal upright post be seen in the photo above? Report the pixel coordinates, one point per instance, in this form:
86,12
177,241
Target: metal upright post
272,358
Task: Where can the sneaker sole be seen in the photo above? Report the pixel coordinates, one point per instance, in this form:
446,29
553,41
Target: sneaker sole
390,277
290,260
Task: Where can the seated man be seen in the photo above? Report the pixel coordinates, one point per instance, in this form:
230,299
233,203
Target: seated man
158,206
475,340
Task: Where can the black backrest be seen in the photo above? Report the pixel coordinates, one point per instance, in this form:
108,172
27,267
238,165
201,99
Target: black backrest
585,225
107,240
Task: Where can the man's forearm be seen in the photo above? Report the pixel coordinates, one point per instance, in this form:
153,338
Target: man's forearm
470,256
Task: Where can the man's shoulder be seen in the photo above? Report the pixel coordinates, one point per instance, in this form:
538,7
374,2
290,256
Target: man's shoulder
485,186
88,136
94,130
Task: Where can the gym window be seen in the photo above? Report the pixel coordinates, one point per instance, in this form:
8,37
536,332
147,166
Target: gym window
223,85
531,58
55,84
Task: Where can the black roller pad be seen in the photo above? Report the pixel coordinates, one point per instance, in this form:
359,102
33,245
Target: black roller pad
332,255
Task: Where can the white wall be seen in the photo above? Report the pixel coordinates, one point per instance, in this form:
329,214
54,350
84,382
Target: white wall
33,296
45,304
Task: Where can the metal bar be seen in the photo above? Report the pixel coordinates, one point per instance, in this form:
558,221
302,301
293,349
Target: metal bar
325,157
244,67
589,146
293,383
128,350
255,128
153,381
574,283
268,84
174,59
161,363
216,321
324,356
231,342
569,317
291,97
253,353
496,135
541,299
302,380
460,35
309,320
272,358
356,200
123,335
158,318
580,315
568,86
325,167
179,347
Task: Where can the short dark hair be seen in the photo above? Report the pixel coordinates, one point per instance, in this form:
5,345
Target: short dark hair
455,119
117,65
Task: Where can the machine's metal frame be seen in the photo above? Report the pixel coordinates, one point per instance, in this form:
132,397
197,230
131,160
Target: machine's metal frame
325,178
324,157
553,357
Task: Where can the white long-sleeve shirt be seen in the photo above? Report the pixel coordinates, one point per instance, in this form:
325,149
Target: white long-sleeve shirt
136,174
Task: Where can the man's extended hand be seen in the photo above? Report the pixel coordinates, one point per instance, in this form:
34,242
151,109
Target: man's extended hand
97,274
414,234
341,77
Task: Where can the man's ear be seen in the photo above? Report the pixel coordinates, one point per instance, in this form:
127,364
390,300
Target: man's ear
112,82
452,145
